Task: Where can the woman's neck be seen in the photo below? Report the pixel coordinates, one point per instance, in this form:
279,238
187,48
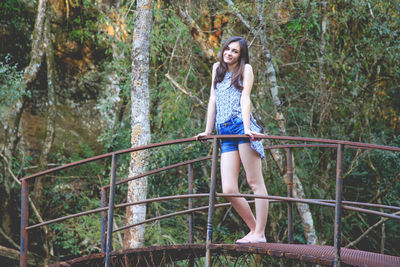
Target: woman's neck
231,68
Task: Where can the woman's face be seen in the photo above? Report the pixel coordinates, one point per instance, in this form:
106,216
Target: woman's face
232,53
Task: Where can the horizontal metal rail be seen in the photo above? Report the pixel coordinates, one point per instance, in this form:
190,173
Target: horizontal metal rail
158,170
250,202
279,198
185,140
372,205
177,213
300,146
328,203
116,206
313,201
107,155
305,139
312,145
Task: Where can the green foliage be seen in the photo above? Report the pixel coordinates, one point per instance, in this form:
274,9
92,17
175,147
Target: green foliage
16,20
78,237
11,84
360,101
83,22
353,55
13,13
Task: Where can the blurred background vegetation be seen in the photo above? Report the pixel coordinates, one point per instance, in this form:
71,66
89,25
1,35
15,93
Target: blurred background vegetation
340,84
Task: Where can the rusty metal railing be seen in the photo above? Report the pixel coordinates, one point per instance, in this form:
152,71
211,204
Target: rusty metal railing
106,239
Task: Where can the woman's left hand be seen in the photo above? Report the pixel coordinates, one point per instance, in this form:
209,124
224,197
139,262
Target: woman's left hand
251,134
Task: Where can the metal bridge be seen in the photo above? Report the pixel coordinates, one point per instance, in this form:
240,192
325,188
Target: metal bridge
210,253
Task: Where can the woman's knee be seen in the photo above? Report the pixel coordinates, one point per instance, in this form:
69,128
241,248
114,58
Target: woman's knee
254,186
230,190
257,185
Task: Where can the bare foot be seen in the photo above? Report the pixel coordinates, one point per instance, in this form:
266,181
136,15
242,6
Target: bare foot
252,238
257,239
245,239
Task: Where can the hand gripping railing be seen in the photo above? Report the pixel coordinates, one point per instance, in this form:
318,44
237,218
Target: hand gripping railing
106,243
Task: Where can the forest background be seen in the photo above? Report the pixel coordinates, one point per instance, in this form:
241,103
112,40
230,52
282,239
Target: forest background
327,69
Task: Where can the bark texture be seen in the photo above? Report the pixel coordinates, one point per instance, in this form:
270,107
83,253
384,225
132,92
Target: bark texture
50,127
50,107
37,44
140,126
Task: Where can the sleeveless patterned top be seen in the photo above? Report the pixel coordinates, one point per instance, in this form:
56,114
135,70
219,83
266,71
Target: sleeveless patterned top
228,106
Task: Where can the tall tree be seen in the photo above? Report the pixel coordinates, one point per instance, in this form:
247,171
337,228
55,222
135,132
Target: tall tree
140,126
50,126
298,191
12,125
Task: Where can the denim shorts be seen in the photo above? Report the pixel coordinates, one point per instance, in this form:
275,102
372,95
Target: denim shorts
232,126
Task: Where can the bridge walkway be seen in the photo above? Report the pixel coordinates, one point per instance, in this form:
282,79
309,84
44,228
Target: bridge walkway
164,255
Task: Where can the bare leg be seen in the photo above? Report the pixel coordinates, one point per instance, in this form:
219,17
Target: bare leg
230,166
252,165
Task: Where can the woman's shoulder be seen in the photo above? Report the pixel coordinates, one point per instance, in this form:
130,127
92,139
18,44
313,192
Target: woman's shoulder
248,71
248,67
215,65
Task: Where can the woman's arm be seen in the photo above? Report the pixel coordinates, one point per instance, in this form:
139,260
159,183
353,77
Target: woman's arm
245,101
211,110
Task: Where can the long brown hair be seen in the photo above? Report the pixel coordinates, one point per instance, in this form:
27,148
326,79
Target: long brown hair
237,74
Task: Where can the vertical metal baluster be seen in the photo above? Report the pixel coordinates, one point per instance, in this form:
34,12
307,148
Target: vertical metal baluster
289,184
103,215
23,259
338,206
211,202
190,206
111,210
190,202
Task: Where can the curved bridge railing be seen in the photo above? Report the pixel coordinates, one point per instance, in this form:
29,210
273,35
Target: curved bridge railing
107,212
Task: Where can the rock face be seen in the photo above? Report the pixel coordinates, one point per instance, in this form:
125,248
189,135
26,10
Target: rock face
77,124
79,79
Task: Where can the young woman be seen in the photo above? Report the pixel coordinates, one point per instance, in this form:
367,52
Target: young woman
229,110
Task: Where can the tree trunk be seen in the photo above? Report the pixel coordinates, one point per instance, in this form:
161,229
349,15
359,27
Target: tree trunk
50,127
298,192
198,35
304,210
321,62
140,126
50,110
12,137
37,44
